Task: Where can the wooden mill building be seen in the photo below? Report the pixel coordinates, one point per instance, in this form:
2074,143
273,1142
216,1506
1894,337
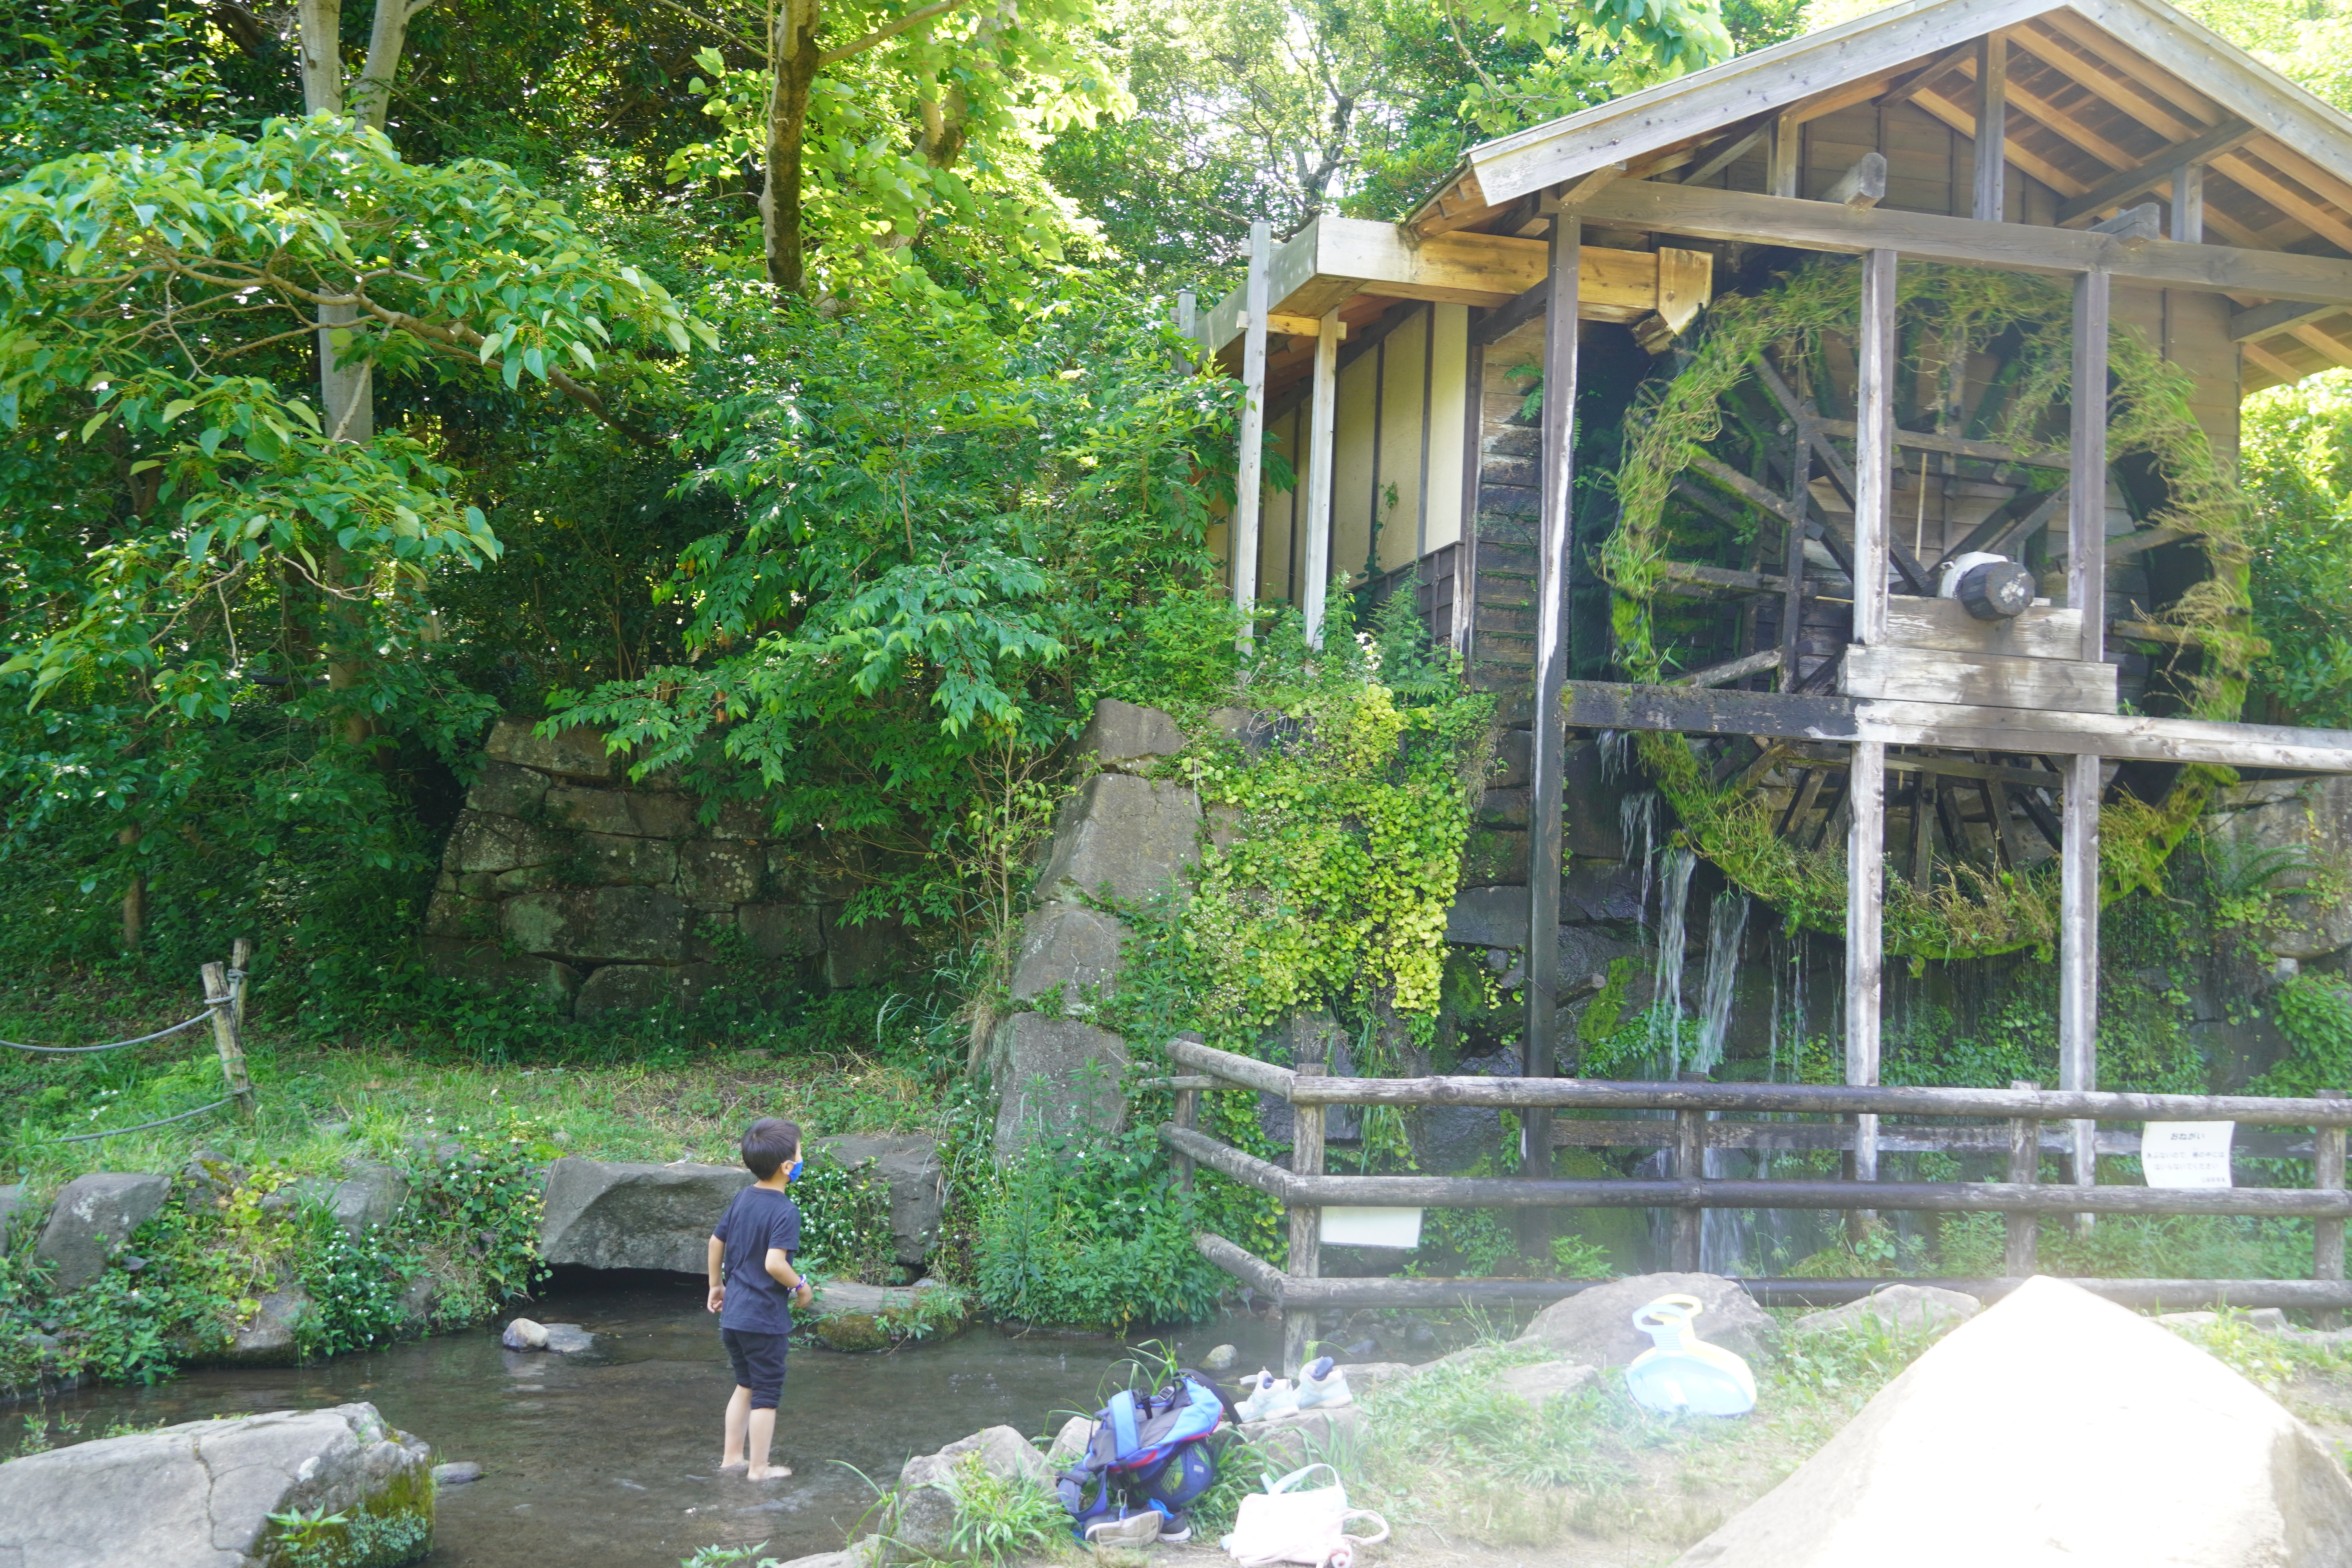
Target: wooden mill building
2180,190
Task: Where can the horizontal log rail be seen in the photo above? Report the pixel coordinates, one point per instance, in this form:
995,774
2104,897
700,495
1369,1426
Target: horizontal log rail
1688,1128
1831,1100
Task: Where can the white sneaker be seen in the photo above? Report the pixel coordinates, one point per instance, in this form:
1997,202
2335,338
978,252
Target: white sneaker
1322,1386
1269,1396
1139,1529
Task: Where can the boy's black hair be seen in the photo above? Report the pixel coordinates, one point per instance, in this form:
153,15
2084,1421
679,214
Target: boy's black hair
767,1144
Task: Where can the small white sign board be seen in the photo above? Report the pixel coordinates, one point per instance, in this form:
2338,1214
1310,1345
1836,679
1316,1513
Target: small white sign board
2187,1154
1372,1228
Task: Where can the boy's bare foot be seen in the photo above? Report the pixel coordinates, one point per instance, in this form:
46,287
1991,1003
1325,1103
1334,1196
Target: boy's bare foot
772,1473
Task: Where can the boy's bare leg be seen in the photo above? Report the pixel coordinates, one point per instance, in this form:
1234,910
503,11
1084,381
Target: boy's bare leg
762,1433
739,1411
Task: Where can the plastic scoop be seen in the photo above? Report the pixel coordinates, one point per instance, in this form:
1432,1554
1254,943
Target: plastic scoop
1681,1373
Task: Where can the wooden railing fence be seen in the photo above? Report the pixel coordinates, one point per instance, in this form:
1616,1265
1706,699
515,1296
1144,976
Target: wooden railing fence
2010,1120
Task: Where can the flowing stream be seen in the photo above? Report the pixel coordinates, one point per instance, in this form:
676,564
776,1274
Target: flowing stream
609,1459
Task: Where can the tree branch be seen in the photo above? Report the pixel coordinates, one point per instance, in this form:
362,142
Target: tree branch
883,33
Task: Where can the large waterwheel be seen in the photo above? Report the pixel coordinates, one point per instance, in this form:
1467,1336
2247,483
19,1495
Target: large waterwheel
1734,562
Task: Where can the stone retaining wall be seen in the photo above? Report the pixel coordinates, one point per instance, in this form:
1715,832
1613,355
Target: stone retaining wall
563,878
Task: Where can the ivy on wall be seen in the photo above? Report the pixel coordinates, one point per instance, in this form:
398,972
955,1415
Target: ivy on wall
1944,315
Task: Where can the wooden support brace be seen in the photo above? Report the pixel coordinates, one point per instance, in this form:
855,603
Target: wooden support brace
1188,1116
1305,1260
1862,186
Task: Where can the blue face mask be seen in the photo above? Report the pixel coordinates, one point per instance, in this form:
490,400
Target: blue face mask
793,1175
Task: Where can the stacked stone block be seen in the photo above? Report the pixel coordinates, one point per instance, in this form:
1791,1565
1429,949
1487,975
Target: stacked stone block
563,878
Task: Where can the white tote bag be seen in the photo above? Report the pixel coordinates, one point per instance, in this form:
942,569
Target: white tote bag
1288,1522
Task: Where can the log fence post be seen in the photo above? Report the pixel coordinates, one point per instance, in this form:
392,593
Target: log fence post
1690,1165
240,960
2024,1169
222,999
1298,1325
1188,1117
2328,1235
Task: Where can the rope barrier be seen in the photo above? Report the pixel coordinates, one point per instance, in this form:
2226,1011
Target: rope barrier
116,1045
119,1131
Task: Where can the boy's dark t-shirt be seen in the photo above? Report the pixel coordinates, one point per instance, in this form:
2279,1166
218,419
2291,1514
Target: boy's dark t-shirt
759,1219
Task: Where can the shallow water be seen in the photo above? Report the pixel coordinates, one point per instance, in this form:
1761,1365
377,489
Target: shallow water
609,1459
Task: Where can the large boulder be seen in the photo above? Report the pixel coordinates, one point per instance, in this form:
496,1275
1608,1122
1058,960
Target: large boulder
922,1516
1069,946
1133,837
369,1197
93,1217
266,1337
2055,1428
909,1162
1595,1326
1055,1073
599,925
1906,1310
574,752
608,1213
201,1495
1123,736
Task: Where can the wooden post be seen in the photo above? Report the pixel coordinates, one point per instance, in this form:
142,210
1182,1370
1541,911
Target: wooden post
1792,557
1690,1165
2189,204
1554,547
222,1000
2024,1169
1780,166
1241,544
240,959
1188,322
2328,1235
1866,784
1298,1326
1188,1117
1992,127
1322,421
2086,589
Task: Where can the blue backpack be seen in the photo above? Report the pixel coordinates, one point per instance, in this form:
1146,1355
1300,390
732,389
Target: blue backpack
1149,1450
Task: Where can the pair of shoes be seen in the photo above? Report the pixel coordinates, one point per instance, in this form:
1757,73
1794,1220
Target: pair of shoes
1175,1529
1139,1529
1322,1386
1268,1396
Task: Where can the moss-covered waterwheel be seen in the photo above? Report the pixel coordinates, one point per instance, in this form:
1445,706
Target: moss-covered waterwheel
1732,563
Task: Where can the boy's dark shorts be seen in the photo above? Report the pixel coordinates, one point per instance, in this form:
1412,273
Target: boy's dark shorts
759,1363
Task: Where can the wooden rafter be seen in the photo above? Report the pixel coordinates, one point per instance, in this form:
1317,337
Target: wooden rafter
2113,52
2320,342
2329,225
2272,362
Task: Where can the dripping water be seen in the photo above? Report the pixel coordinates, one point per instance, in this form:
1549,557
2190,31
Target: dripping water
1616,749
1666,1014
1727,924
1637,818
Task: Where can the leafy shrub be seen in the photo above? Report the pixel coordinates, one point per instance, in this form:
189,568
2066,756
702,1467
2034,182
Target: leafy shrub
2316,1016
845,1221
998,1518
355,1286
1091,1228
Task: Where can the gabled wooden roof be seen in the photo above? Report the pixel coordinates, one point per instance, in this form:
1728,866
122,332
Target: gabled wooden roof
2104,98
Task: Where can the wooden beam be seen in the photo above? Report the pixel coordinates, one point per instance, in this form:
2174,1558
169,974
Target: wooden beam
1695,710
1865,877
1991,71
2272,362
1730,669
1504,319
1862,186
1732,149
1926,74
2166,105
1783,164
1982,451
1322,425
1873,448
1554,551
2312,337
1979,679
1577,191
2133,226
2189,205
2329,225
2262,321
1242,537
1820,226
2159,171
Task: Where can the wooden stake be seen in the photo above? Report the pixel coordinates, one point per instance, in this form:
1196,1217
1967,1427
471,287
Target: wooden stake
1298,1326
1249,482
2024,1169
1554,547
2328,1235
223,1003
1992,127
1322,420
240,960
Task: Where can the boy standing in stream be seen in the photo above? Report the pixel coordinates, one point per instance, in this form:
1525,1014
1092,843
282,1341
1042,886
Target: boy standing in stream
753,1288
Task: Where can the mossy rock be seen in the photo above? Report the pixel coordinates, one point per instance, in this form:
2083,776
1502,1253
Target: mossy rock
853,1332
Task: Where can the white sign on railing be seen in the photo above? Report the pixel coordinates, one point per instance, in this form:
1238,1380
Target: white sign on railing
1371,1228
2187,1154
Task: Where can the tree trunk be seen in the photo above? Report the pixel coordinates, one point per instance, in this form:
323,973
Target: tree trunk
134,897
792,59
